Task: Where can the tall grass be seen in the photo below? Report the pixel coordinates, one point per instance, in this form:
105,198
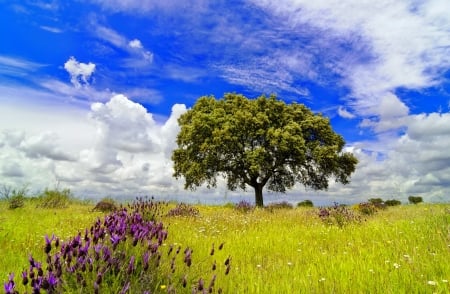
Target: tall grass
403,249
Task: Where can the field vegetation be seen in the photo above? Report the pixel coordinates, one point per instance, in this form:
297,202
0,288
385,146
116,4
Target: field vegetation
228,249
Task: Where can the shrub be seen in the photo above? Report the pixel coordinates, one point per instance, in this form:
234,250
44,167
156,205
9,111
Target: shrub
392,202
338,215
244,206
415,199
279,205
367,208
15,197
305,203
54,198
106,205
16,201
183,209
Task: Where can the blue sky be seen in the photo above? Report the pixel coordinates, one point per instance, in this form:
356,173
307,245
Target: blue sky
90,90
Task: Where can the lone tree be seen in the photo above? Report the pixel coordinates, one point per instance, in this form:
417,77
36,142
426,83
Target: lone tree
258,142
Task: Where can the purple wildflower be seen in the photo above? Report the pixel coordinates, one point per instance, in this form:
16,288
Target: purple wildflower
131,266
125,288
25,277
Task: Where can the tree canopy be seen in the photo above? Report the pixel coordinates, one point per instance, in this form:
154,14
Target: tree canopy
258,142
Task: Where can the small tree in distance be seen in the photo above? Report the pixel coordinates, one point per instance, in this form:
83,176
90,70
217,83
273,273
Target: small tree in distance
305,203
415,199
392,202
258,142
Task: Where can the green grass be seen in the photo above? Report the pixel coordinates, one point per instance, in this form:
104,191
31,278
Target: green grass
398,250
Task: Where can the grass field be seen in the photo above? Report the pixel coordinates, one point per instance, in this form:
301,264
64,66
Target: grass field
403,249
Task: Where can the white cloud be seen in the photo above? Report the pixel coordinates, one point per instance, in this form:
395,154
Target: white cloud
43,145
124,152
52,29
139,56
343,112
135,44
11,66
404,44
12,169
79,72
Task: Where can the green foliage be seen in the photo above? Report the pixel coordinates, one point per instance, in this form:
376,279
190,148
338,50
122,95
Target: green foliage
376,201
415,199
254,142
392,202
305,203
54,198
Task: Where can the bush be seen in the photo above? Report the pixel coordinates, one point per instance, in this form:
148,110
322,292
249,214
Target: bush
16,201
305,203
392,202
338,215
106,205
54,198
15,197
183,209
367,208
279,205
244,206
415,199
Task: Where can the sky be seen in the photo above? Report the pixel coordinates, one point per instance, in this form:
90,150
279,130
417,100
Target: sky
90,91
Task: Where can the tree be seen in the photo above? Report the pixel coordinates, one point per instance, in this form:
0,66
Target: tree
305,203
256,142
415,199
392,202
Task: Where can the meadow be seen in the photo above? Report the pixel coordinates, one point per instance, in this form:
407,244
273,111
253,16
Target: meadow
401,249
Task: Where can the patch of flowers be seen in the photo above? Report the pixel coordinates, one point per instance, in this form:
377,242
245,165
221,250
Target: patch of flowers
123,253
338,215
244,206
183,209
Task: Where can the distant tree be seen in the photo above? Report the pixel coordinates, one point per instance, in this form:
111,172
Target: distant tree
376,201
305,203
258,142
415,199
392,202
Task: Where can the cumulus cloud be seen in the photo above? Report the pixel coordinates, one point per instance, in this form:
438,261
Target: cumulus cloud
80,73
43,145
12,169
130,153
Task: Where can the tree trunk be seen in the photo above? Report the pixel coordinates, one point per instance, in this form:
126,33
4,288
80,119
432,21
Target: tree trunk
259,195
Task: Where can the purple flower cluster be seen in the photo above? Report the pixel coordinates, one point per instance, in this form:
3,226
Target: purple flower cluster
183,209
338,215
87,259
244,206
121,254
